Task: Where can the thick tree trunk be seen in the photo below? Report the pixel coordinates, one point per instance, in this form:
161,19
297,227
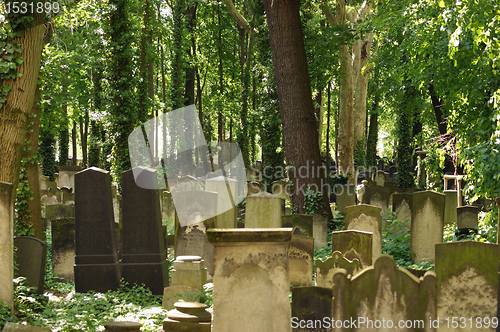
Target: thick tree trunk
14,114
300,135
437,103
35,217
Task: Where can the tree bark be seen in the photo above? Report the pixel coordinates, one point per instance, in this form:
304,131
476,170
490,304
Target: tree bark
35,217
14,114
300,136
437,103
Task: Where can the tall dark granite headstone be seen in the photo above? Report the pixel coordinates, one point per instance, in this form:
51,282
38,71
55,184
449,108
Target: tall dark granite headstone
96,261
143,242
30,258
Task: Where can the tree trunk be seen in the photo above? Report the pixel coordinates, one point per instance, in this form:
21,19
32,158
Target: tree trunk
35,217
437,103
220,118
74,144
300,134
14,113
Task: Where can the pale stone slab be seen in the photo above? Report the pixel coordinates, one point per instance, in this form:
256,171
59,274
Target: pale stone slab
385,292
226,213
427,217
263,210
300,260
320,230
325,270
367,218
467,281
251,285
450,207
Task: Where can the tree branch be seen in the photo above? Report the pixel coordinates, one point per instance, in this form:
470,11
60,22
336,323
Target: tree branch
242,22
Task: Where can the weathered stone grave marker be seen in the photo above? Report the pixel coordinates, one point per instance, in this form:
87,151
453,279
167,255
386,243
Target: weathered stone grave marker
366,218
354,245
325,270
31,256
188,316
310,304
63,248
300,260
263,210
226,214
467,282
251,285
427,217
345,196
6,243
96,262
143,244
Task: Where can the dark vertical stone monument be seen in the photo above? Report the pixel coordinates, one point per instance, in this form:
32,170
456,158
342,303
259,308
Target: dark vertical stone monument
311,303
30,258
96,260
143,243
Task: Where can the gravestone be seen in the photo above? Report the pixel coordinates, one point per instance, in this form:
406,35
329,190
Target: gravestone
392,170
345,196
377,196
14,327
281,188
67,176
167,207
427,216
401,205
310,304
467,217
366,218
467,282
67,196
254,188
187,316
320,230
59,211
251,285
143,240
325,270
6,244
300,260
226,213
380,178
302,224
383,296
354,245
63,248
96,261
450,207
31,256
191,240
189,271
176,293
263,211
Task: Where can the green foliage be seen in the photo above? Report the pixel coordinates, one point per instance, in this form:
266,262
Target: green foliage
360,153
6,315
47,154
312,201
24,194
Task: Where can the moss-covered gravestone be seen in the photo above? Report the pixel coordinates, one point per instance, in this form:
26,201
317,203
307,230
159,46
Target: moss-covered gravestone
310,304
251,285
385,292
302,224
30,259
345,196
263,210
377,196
300,260
63,248
325,270
450,207
427,218
366,218
467,282
354,245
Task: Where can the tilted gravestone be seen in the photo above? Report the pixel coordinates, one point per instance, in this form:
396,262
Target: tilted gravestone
263,210
63,248
325,270
30,258
366,218
143,240
427,217
385,295
59,211
467,283
96,261
354,245
251,285
310,304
